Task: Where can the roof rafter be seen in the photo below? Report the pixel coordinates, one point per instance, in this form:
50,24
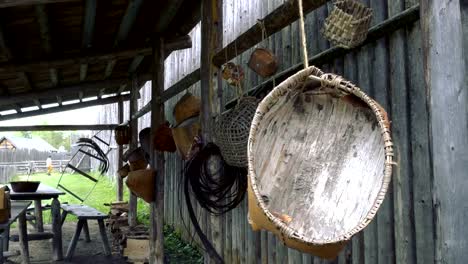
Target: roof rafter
87,87
88,32
9,3
108,100
125,26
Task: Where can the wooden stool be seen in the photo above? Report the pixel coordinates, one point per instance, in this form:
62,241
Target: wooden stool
85,213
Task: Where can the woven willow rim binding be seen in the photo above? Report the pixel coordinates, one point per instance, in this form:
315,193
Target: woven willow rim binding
341,87
348,24
232,131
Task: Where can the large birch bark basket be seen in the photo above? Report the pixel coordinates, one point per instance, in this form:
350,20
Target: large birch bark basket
320,161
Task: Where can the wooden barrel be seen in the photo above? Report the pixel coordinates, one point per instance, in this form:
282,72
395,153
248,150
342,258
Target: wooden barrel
320,161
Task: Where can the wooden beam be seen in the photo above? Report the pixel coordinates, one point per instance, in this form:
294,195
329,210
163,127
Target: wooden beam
43,21
128,21
175,89
445,80
37,103
405,18
88,32
10,3
156,254
118,179
88,87
59,100
80,96
168,11
57,127
135,63
208,40
133,201
24,78
3,45
108,100
83,72
88,24
183,42
66,62
54,77
125,26
274,22
109,68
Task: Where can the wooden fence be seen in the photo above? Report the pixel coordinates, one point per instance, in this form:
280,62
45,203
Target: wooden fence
390,70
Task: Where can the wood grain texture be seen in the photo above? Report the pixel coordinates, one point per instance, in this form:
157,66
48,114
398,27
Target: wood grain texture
445,79
322,170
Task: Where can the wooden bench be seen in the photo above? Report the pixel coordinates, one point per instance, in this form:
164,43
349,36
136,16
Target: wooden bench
85,213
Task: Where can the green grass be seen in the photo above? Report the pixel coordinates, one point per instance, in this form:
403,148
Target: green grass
105,192
97,194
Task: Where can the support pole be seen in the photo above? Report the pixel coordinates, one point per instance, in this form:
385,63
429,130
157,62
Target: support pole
132,202
157,157
445,80
210,226
120,161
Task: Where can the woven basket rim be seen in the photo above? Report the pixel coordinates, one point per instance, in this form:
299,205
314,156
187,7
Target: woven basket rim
264,107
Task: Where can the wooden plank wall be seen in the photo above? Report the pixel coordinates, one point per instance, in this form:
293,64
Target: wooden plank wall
391,71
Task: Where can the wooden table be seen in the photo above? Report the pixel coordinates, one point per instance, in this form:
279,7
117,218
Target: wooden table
18,211
45,192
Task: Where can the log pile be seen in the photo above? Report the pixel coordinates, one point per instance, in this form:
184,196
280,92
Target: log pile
127,241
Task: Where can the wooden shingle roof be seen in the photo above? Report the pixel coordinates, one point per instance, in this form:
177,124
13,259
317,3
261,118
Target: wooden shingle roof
68,50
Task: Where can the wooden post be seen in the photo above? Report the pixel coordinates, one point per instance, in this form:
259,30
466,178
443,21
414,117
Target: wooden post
208,40
120,161
23,237
56,229
38,216
445,79
132,203
157,158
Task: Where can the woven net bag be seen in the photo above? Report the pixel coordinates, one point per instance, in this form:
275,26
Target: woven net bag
348,23
320,161
232,131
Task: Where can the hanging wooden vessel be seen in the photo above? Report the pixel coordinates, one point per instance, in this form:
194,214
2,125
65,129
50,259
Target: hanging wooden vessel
263,62
233,74
136,159
184,135
188,106
348,24
320,160
141,183
123,172
123,134
163,140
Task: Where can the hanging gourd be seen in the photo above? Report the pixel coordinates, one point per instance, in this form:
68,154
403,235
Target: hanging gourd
348,24
320,159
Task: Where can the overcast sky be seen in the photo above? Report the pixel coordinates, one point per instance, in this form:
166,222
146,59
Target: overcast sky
84,116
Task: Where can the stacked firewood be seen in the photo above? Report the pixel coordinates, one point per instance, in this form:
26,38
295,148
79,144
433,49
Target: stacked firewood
131,242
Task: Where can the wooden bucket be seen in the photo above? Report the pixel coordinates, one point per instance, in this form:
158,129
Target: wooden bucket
184,135
320,162
136,159
141,183
163,140
188,106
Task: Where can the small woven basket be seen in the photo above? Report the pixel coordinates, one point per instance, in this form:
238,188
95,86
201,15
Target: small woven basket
232,131
320,161
348,23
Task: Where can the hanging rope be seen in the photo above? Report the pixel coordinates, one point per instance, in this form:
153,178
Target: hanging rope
303,36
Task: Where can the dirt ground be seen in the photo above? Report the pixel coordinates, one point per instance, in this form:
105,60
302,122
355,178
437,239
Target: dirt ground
92,252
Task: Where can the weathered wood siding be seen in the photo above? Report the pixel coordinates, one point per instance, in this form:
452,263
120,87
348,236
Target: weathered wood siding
391,71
